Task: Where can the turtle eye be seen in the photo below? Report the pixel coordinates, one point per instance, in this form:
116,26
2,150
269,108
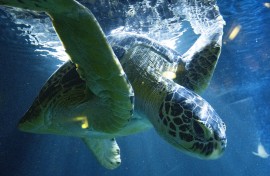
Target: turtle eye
198,129
201,132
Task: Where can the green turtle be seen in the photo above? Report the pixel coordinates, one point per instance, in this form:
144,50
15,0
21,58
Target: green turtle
117,85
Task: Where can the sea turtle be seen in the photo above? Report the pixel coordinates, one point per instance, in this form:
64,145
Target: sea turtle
92,97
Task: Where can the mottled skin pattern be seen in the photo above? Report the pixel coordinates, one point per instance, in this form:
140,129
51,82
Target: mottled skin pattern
200,68
179,113
78,100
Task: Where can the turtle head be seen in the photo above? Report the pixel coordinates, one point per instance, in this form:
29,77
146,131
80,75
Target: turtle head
190,124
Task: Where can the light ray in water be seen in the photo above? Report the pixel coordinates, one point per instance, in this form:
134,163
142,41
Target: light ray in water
169,74
83,120
234,32
266,4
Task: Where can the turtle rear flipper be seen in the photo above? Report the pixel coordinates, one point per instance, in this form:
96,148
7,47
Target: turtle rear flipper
106,151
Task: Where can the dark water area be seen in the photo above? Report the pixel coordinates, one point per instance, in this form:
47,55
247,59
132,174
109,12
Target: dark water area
239,92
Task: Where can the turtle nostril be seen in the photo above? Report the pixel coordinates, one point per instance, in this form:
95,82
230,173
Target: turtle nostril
224,143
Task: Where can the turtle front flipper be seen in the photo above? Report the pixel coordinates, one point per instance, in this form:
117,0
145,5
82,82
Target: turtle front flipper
106,151
97,64
201,59
95,60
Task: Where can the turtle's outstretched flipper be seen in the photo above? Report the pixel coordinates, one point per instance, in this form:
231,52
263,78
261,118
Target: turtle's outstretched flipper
106,151
95,60
201,58
40,5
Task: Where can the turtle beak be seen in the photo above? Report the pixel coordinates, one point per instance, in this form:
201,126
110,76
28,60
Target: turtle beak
209,139
219,149
220,144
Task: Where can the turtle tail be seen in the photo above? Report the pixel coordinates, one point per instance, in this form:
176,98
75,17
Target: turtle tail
40,5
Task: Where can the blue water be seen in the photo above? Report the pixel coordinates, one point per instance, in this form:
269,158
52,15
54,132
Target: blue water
239,92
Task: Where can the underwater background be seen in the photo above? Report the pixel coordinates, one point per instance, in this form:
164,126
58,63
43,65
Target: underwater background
239,91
